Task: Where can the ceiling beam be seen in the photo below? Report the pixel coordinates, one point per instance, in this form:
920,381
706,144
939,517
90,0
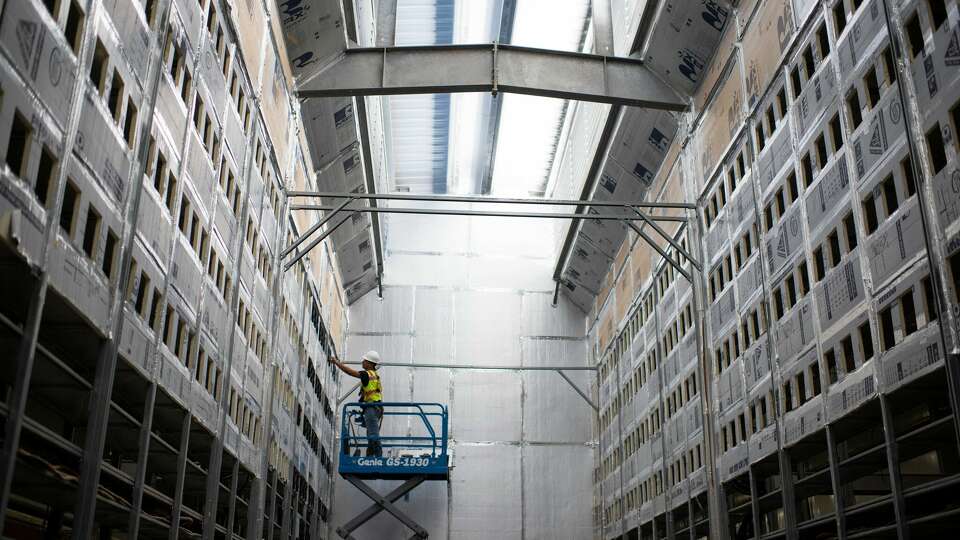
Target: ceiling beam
602,27
478,213
492,68
508,12
490,200
386,22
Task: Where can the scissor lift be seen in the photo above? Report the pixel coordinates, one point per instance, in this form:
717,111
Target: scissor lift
412,458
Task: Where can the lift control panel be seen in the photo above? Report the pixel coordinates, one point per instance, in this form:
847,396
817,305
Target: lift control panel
413,439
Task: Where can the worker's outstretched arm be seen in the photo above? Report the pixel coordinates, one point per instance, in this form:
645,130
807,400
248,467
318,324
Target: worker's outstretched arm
346,369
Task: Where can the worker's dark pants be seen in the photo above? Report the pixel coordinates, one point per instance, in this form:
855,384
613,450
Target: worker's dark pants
372,416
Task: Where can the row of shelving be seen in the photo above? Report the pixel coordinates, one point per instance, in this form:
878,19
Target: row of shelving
819,293
198,334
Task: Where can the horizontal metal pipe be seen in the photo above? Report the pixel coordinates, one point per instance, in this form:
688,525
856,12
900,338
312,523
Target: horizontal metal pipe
474,366
490,200
441,212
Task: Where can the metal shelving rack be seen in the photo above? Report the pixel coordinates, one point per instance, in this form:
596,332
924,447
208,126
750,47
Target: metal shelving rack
871,455
110,425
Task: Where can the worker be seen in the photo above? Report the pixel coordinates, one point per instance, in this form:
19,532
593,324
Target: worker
370,392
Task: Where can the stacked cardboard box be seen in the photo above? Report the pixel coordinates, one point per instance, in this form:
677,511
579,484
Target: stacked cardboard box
821,171
148,145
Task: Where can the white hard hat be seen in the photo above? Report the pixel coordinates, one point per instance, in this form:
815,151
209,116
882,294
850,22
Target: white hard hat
372,356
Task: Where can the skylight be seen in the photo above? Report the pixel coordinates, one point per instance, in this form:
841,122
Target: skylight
446,143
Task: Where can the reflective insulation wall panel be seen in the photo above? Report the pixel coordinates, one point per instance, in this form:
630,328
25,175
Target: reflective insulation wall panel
522,443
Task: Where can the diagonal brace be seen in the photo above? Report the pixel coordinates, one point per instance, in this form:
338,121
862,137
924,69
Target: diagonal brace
383,503
316,241
350,391
578,390
659,250
315,227
676,245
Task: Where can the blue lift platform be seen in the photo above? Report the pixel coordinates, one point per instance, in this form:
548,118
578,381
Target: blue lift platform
414,458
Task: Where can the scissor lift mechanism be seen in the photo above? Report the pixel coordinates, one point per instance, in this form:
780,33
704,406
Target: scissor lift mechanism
413,458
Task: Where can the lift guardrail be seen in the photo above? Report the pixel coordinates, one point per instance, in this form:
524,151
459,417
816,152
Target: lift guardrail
422,453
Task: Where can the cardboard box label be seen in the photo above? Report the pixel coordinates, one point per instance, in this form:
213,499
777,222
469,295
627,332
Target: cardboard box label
98,145
734,461
756,363
587,265
749,283
763,443
741,208
642,142
763,44
171,112
40,56
730,386
686,37
214,82
783,241
134,37
946,191
215,315
190,17
820,92
721,120
878,134
76,278
896,242
714,70
806,419
867,25
909,360
795,331
831,192
936,69
723,312
313,32
853,391
775,156
841,291
330,126
185,273
201,172
718,237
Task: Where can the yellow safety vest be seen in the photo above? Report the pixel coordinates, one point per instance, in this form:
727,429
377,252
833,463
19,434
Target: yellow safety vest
371,391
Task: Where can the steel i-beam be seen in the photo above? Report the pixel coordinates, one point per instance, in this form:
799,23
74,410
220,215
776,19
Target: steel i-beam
492,67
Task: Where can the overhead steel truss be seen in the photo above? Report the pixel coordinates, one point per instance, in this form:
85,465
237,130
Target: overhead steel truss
627,213
492,67
634,211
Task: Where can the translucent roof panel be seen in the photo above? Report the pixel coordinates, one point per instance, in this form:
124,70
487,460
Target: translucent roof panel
449,143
